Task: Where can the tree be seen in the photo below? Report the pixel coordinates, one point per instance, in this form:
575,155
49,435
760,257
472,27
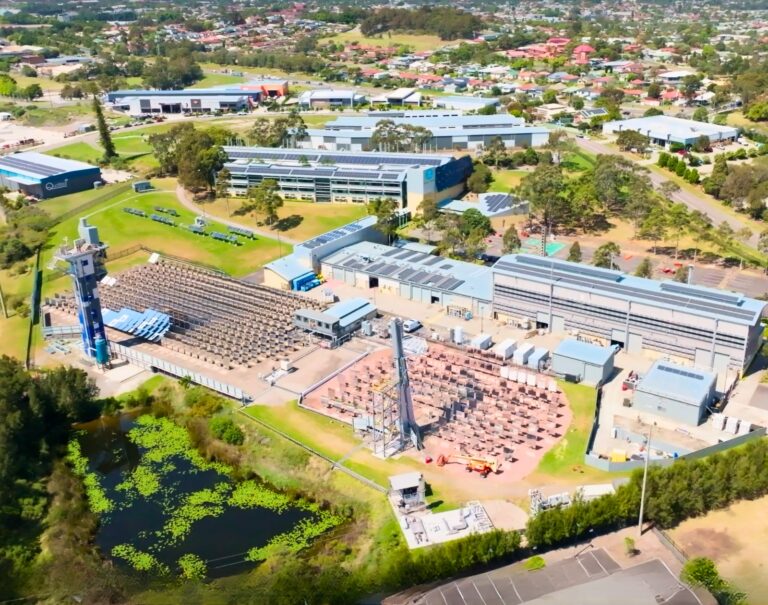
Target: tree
631,139
714,183
473,220
681,275
654,227
31,92
510,241
559,143
385,210
701,571
654,90
762,243
574,252
105,138
263,199
645,268
757,112
545,191
701,115
577,103
480,178
494,151
653,111
223,185
678,221
604,255
224,428
702,144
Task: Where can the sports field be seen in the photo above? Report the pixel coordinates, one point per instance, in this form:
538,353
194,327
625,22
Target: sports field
298,220
505,180
416,41
736,539
212,79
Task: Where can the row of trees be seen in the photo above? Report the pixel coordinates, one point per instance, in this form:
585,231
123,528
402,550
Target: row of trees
9,88
676,164
688,488
447,22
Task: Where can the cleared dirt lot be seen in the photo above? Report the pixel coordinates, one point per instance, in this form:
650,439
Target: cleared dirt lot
735,538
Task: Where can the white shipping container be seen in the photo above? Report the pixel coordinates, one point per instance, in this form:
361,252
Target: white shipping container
482,342
505,348
522,353
731,425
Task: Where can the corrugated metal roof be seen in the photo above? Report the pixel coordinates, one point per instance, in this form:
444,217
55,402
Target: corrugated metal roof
584,351
687,385
40,165
349,311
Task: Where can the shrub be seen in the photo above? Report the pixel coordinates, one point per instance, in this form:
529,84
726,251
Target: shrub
224,428
663,160
202,402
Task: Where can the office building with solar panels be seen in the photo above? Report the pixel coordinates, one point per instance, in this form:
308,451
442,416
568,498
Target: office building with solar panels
449,131
44,176
710,328
356,177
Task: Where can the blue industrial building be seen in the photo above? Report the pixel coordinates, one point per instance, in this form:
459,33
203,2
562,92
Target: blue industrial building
45,176
676,392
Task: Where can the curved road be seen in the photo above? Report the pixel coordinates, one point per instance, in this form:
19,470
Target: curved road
694,202
186,201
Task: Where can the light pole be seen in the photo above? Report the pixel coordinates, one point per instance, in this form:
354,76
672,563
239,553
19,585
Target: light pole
645,480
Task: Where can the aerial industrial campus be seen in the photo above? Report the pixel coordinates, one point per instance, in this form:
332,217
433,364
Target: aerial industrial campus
383,304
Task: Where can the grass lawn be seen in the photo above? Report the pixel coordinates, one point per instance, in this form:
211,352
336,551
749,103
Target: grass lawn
45,115
566,460
416,42
504,180
336,440
736,118
128,144
80,151
121,230
59,205
218,80
45,83
578,161
300,220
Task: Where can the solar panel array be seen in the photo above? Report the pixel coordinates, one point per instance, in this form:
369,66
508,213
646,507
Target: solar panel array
498,202
272,170
725,297
332,235
360,159
679,372
602,283
13,163
412,270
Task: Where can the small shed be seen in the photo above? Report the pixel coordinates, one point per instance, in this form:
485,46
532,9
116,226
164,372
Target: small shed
142,186
583,362
522,353
408,491
505,348
676,392
338,321
482,342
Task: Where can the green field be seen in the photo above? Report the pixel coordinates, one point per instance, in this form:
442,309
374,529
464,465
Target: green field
504,180
80,151
45,83
298,220
414,41
566,460
121,230
212,79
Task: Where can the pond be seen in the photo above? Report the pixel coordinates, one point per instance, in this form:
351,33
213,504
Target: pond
164,509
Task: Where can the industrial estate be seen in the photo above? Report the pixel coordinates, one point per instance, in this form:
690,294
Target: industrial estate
357,304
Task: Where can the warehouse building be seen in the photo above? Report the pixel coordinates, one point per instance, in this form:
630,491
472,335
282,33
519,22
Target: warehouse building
329,97
44,176
713,329
583,362
202,100
456,132
357,177
664,130
460,288
338,321
460,103
289,272
680,393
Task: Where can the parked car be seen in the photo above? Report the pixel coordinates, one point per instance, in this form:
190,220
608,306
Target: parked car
411,325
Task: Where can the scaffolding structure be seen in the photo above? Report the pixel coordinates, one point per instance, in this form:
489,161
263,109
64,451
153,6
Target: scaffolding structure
393,419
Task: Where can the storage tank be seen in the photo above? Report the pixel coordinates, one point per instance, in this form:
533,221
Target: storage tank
102,351
482,342
458,335
522,353
505,348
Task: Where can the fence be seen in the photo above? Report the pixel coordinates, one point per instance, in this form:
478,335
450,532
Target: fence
155,364
34,312
109,193
607,465
55,331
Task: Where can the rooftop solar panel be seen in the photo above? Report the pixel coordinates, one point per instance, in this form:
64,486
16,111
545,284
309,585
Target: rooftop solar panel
29,167
725,297
388,270
392,252
406,273
432,260
446,266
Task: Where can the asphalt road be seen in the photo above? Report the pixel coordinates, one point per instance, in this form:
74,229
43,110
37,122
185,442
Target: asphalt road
694,202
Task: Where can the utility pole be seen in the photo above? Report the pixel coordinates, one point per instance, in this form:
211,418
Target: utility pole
645,480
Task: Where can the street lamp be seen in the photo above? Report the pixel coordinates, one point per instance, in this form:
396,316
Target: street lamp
645,480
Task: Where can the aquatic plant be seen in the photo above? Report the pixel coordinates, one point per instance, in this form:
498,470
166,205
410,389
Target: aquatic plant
197,506
297,538
192,567
250,494
139,560
97,497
